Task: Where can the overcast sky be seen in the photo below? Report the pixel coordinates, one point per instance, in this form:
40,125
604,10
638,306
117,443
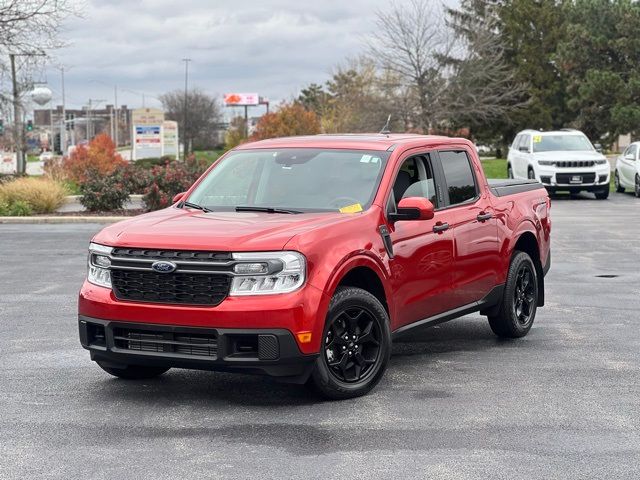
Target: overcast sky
273,47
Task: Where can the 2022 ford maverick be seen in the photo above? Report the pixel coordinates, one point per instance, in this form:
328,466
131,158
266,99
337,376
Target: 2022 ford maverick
302,258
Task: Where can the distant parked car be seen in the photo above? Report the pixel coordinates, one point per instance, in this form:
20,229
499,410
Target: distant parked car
563,160
628,170
45,156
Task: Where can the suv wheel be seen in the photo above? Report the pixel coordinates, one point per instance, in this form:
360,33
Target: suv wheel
616,181
602,194
134,372
636,190
509,171
519,299
531,174
356,345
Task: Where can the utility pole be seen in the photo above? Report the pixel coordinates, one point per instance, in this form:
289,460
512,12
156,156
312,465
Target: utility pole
63,121
184,125
17,118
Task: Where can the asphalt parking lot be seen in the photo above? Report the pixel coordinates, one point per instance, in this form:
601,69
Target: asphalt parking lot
456,402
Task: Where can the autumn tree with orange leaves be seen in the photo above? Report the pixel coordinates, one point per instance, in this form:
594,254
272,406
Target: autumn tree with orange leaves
100,157
290,119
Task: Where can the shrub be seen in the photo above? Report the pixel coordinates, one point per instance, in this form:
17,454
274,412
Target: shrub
99,157
42,195
102,193
135,179
19,208
169,180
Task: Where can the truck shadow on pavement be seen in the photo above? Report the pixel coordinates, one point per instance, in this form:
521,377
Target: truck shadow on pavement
421,349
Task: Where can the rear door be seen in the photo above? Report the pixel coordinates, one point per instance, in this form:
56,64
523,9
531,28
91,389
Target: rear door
421,269
472,218
628,165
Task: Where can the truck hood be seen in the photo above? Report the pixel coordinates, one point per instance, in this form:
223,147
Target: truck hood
564,155
174,228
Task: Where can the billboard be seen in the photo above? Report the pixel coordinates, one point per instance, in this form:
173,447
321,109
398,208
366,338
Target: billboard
147,132
170,138
241,99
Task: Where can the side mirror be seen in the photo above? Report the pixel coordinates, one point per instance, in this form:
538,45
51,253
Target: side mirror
598,147
178,197
524,149
413,208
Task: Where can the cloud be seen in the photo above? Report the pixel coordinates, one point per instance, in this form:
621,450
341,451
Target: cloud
273,48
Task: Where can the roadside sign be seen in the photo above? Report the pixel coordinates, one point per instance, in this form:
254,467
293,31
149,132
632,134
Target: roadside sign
147,132
241,99
170,138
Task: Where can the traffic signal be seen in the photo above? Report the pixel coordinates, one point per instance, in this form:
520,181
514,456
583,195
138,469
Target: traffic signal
56,143
29,125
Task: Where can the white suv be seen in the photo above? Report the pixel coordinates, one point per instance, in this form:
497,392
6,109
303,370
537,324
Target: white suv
563,160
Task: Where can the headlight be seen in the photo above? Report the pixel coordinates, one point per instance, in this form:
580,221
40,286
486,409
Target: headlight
602,161
98,265
265,273
546,163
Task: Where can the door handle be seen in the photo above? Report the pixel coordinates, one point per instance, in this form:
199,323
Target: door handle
483,217
440,227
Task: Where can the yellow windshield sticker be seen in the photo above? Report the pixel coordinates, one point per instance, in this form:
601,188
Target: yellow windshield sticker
355,208
537,138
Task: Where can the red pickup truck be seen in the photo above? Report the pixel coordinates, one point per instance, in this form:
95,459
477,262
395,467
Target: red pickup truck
302,258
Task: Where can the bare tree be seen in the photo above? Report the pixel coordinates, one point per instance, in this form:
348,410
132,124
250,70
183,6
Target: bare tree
411,43
203,119
32,25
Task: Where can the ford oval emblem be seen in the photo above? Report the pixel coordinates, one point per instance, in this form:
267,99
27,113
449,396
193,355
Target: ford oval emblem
163,267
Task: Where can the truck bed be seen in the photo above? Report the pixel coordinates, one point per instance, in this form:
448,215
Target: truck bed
503,187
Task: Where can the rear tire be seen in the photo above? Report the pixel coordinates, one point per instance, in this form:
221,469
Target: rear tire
134,372
356,345
519,299
602,195
636,190
616,181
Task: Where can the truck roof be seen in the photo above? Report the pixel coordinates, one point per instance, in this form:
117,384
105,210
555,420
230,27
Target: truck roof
358,141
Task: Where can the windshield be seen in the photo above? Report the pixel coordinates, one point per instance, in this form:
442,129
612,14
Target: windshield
301,179
554,143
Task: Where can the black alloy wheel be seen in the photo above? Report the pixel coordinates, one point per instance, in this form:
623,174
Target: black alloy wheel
352,344
524,294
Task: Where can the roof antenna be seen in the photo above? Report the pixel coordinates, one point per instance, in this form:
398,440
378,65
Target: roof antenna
385,130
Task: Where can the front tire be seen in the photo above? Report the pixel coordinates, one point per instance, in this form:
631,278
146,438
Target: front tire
519,300
636,190
602,195
616,181
134,372
509,171
356,345
531,174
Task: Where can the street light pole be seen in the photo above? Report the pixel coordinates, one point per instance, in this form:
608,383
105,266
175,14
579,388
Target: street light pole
63,124
17,118
184,125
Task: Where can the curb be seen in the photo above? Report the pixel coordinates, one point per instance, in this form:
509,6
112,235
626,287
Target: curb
60,219
76,198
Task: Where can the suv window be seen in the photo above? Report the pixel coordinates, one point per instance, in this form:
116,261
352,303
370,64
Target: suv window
516,141
525,141
631,150
458,176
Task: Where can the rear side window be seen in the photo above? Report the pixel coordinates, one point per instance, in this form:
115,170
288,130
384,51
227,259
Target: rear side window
516,142
458,176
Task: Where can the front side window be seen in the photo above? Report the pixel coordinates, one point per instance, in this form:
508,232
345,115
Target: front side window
415,179
559,143
459,177
631,150
304,179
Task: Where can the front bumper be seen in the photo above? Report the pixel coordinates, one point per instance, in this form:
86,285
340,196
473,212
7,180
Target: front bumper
590,179
271,352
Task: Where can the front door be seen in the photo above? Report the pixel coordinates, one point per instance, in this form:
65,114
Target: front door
421,270
628,166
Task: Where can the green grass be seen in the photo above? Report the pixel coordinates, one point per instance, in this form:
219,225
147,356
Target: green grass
209,156
497,168
33,158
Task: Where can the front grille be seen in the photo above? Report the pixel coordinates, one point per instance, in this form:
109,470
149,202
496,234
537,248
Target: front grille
565,178
192,344
172,255
575,164
182,288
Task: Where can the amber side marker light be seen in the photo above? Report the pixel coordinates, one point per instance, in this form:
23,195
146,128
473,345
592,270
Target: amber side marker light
304,337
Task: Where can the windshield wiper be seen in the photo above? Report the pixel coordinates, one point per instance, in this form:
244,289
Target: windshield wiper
196,206
266,209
